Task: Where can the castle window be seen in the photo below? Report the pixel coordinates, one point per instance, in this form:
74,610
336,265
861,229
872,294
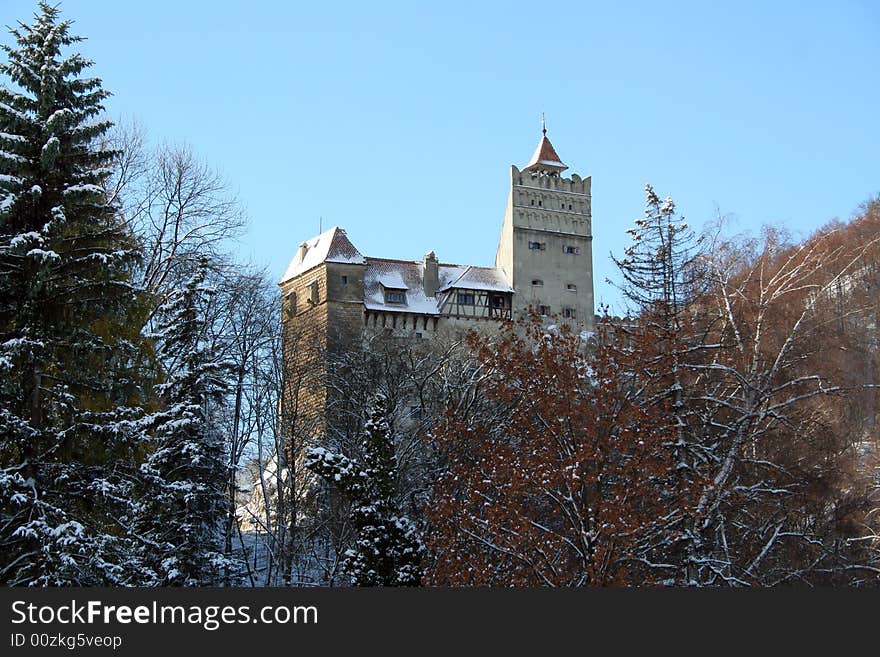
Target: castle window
540,204
537,246
571,287
537,281
290,304
532,202
418,334
466,298
569,206
544,311
395,296
345,280
574,250
313,292
569,313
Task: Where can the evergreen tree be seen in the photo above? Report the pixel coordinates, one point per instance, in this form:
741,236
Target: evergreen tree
664,281
387,549
184,503
69,322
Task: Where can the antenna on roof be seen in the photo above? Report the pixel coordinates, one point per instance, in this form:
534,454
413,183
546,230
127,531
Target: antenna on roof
543,125
320,225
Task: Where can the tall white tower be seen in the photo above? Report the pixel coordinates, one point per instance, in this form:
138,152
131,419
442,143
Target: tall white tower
546,245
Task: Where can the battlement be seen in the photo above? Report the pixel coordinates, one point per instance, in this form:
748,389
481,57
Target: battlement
551,182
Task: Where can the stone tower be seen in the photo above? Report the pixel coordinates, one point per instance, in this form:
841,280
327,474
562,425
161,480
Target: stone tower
546,245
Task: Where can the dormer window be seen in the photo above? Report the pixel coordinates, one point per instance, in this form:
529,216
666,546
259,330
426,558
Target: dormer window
395,296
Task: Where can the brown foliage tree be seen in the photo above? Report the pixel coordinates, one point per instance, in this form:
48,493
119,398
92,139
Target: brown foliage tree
569,482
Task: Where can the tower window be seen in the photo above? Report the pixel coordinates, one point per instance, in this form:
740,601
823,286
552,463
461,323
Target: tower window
290,304
569,206
395,296
537,246
466,298
544,310
537,281
531,201
540,204
574,250
571,287
345,280
569,313
313,292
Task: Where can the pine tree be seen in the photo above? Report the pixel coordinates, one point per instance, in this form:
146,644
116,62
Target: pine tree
69,322
387,549
664,280
184,503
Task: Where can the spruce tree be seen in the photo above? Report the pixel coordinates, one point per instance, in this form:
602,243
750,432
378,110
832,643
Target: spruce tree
388,548
69,322
183,503
664,276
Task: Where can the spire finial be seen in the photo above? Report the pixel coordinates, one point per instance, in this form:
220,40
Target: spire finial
543,125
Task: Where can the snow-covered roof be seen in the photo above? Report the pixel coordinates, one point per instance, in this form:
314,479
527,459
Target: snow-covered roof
407,275
480,278
545,155
392,279
382,274
332,245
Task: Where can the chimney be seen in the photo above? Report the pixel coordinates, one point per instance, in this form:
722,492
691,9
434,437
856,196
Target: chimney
301,252
430,274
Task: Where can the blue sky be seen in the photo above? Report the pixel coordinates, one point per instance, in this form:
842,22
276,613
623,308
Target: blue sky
398,121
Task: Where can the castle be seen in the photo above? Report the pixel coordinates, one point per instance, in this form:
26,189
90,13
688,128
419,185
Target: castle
333,296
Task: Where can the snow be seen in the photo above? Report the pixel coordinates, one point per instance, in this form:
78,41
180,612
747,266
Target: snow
12,156
43,255
392,279
52,143
77,189
7,201
10,137
56,116
332,245
490,279
21,116
23,238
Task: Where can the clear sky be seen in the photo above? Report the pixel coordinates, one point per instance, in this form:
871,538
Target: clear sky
398,121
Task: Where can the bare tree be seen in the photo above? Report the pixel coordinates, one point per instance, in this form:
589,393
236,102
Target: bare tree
179,206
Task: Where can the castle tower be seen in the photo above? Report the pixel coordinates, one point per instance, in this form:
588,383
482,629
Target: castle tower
546,244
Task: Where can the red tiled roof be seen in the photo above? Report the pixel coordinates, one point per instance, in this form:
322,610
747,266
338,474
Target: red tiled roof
545,154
